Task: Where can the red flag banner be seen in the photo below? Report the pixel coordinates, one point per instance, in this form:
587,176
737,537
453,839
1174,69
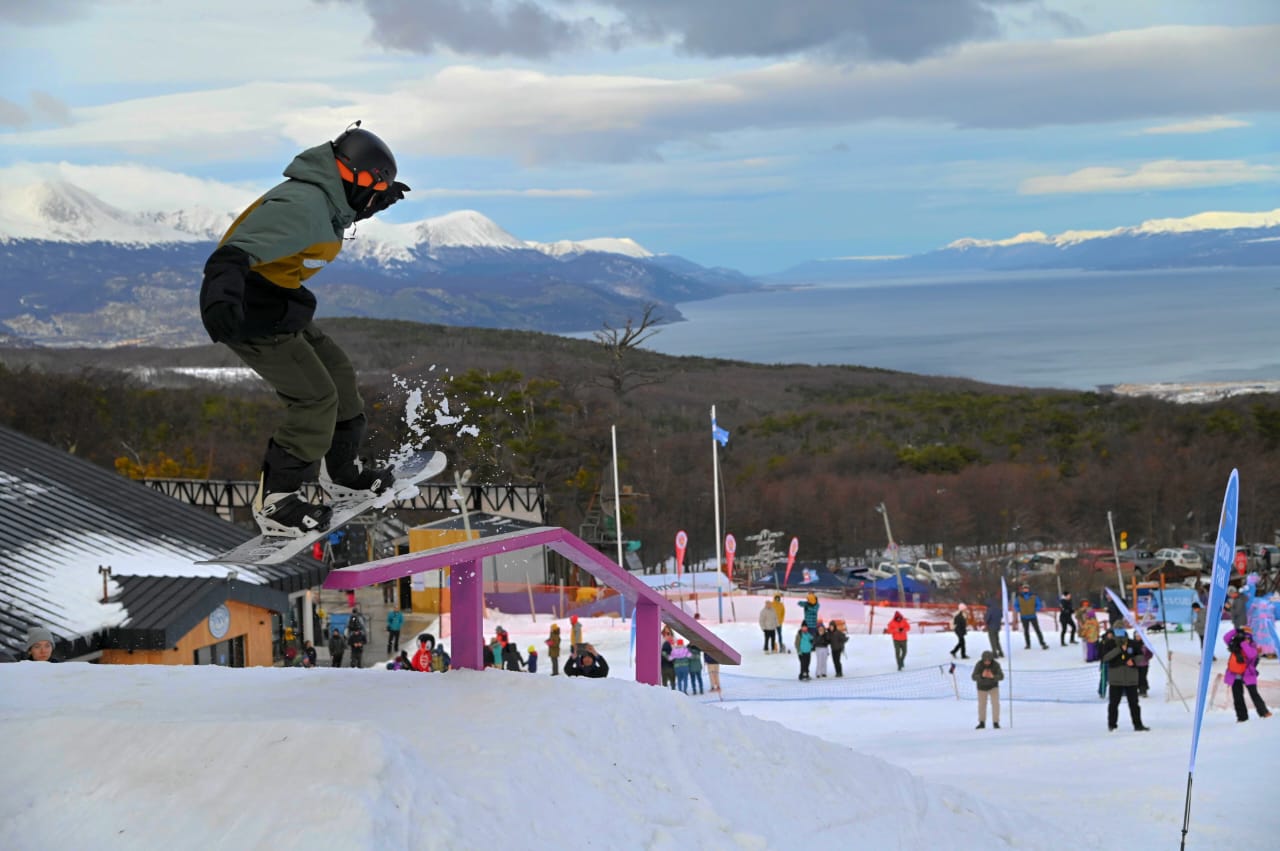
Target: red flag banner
730,547
682,541
791,559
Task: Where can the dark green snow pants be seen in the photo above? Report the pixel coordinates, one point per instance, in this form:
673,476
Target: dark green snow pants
316,381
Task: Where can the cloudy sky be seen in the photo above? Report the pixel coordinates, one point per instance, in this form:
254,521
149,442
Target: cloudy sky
747,133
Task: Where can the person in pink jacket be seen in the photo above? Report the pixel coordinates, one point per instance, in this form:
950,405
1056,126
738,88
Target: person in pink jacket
1242,672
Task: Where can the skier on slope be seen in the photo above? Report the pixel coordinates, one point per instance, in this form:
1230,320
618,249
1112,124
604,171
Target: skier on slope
254,300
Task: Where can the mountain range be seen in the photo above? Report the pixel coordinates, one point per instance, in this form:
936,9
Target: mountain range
1205,239
79,271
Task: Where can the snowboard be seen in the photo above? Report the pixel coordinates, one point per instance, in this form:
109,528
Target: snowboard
410,471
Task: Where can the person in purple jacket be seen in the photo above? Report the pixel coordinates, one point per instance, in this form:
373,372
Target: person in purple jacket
1242,672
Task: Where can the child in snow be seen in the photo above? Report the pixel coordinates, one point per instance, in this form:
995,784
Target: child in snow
531,661
1242,672
680,661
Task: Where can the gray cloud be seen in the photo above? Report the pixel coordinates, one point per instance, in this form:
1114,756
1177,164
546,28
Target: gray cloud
13,115
45,109
875,29
902,30
41,12
476,27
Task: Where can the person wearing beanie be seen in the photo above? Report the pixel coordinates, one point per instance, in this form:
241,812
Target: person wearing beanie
40,645
531,661
987,674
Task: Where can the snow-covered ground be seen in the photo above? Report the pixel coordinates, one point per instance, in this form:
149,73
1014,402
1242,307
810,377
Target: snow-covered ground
164,757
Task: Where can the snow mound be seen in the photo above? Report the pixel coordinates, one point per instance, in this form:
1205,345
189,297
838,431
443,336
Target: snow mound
151,757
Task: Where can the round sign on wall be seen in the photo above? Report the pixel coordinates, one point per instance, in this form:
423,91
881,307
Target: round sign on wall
219,621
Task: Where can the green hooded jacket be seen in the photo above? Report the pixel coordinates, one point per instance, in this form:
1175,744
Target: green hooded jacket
281,240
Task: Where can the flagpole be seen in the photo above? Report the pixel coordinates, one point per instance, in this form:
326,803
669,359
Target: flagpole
617,511
715,487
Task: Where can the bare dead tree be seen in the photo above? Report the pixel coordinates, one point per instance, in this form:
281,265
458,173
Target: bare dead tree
622,375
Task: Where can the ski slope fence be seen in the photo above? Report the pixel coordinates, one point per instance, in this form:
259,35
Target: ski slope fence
935,682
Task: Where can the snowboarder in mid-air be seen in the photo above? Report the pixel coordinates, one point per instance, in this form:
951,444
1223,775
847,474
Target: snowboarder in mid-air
254,300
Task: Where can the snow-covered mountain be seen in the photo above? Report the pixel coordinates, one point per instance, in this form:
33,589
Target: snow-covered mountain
1204,239
77,270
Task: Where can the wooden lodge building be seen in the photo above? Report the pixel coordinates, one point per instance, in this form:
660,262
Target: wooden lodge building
110,567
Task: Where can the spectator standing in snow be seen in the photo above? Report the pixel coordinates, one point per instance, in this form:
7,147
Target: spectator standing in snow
713,673
1121,658
589,663
356,639
1197,621
1237,608
1066,617
810,605
993,621
781,611
395,620
804,647
821,651
575,635
511,658
668,666
695,669
837,638
898,629
1028,606
337,647
553,649
1242,672
40,645
961,626
1088,621
987,674
531,661
1142,663
680,661
769,626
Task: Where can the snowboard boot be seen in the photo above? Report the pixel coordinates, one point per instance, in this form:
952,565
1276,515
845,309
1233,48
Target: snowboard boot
343,475
982,725
281,510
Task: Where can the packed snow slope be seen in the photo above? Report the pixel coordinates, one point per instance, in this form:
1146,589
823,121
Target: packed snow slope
163,757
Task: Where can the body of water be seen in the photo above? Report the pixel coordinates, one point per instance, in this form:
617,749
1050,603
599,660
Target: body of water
1079,331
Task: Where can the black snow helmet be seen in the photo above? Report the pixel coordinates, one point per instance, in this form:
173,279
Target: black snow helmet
366,166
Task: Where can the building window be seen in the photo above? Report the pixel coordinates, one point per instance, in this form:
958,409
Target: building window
229,653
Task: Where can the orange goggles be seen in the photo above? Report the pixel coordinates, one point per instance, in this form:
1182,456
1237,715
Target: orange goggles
361,178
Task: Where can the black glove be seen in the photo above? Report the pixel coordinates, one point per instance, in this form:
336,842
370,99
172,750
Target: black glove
387,197
223,320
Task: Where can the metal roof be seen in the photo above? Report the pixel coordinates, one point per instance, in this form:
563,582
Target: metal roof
62,516
162,609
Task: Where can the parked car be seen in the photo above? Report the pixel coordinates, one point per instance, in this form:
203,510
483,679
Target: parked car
1130,559
852,574
887,569
935,571
1181,557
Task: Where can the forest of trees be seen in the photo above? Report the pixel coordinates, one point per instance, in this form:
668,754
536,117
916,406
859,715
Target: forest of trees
813,450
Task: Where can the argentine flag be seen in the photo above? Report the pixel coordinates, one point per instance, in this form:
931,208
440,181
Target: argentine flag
719,434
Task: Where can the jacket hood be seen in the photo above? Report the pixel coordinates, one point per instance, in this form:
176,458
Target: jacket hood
318,166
